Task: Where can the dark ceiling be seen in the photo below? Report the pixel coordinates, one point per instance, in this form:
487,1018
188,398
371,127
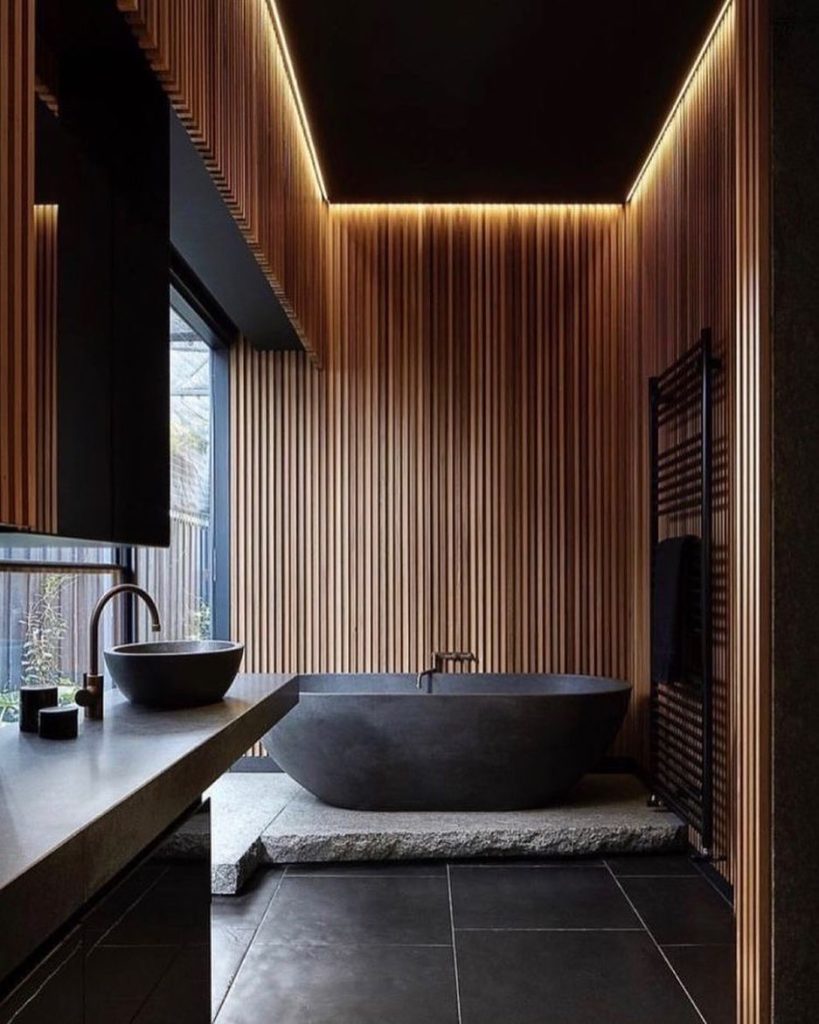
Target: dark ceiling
489,100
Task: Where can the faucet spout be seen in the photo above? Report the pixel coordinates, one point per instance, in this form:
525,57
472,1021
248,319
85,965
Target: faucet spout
90,696
439,659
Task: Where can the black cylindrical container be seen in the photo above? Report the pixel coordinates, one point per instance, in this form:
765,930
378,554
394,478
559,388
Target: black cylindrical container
59,723
32,700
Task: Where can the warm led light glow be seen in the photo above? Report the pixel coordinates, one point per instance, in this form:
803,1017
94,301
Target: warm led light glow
420,207
361,207
680,97
294,88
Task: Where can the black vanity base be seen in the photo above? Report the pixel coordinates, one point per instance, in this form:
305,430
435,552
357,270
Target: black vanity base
140,952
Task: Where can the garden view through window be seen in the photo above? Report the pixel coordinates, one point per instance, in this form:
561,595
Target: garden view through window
180,577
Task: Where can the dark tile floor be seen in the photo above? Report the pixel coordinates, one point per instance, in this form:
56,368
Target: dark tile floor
628,940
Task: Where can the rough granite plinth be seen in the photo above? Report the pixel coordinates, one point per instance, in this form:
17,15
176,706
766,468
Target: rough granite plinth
242,806
258,818
604,814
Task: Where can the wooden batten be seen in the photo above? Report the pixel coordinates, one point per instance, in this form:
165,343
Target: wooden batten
46,296
751,526
18,384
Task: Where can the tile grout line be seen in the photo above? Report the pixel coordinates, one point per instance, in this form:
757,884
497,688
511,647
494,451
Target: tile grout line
454,947
215,1015
696,872
656,944
698,945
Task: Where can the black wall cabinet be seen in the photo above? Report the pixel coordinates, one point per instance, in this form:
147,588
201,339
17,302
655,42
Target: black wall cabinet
104,159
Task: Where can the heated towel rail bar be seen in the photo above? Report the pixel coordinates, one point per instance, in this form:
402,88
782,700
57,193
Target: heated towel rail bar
680,439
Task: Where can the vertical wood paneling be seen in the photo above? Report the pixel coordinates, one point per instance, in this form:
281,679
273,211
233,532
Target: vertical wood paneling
697,253
456,477
45,366
18,394
680,254
223,65
751,608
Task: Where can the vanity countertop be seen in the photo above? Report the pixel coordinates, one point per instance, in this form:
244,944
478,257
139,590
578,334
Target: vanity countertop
74,813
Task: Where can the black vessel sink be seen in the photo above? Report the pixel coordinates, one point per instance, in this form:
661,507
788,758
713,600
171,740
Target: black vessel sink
175,673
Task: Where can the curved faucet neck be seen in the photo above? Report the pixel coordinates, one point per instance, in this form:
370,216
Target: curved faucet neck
93,627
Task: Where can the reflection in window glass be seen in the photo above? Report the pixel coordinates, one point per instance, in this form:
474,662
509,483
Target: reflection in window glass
180,577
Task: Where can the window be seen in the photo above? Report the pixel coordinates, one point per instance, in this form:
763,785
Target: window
46,598
180,578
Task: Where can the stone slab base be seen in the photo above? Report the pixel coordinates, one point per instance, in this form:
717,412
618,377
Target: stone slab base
605,814
269,818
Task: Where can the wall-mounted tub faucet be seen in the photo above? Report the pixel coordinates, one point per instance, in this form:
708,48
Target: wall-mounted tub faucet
439,659
90,696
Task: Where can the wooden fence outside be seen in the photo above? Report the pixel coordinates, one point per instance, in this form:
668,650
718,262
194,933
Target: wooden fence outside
178,577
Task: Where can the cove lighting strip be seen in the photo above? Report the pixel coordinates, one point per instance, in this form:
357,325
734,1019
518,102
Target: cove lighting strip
314,160
385,206
675,106
294,89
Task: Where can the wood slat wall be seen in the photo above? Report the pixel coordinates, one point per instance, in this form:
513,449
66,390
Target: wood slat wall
751,607
456,477
18,396
223,66
680,254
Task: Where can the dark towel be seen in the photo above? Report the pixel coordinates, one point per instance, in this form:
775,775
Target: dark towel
674,609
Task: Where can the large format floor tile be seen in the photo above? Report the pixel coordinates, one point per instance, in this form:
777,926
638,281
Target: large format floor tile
328,910
248,909
708,972
638,866
392,868
556,897
228,947
344,985
681,910
567,978
535,943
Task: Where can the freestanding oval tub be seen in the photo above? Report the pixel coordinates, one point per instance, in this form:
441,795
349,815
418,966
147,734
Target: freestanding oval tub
464,742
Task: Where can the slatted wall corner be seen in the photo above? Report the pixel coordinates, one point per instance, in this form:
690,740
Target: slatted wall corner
680,258
18,396
224,68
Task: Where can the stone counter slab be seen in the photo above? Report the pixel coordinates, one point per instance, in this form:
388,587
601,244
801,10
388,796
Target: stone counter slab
73,814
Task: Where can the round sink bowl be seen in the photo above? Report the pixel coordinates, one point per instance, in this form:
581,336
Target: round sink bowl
175,673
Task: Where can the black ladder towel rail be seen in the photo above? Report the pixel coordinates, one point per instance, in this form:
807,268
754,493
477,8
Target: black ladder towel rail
680,439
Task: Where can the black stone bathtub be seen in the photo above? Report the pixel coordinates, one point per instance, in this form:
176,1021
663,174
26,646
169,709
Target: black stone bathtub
475,742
